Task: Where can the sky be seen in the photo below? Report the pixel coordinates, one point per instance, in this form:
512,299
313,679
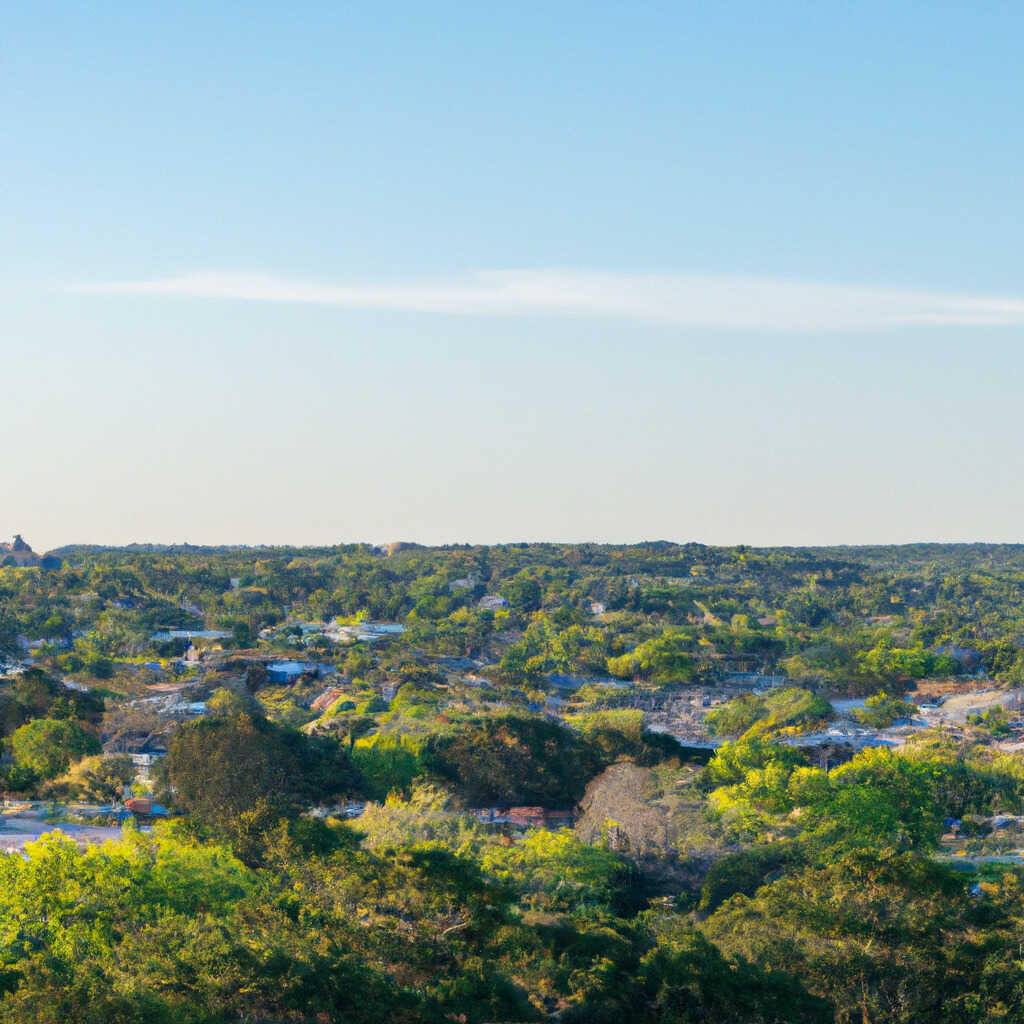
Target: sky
334,272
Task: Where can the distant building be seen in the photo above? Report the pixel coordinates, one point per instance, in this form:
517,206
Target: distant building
570,682
369,632
144,807
133,743
196,707
144,750
538,817
492,603
192,634
289,671
146,760
379,629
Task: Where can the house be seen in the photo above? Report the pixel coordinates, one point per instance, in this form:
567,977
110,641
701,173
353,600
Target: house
327,698
192,634
369,632
144,750
196,707
136,743
571,682
523,817
490,815
538,817
146,761
144,807
285,671
372,631
492,603
1011,821
289,671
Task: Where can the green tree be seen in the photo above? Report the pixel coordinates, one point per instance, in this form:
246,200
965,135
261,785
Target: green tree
517,759
523,592
664,659
881,798
46,746
241,774
101,779
881,710
388,763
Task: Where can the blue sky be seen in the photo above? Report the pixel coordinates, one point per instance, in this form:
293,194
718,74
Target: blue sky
325,272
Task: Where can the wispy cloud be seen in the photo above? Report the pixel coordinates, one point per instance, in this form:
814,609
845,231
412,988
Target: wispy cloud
708,301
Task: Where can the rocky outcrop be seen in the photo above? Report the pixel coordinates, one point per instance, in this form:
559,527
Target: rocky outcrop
620,805
19,553
644,815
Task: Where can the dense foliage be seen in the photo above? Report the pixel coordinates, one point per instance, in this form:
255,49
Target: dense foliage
241,773
515,759
363,837
855,617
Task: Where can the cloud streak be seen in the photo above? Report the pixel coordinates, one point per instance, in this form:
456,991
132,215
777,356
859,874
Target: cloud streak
700,301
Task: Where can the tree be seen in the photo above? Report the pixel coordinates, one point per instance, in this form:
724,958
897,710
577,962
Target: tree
515,759
35,691
556,872
744,872
734,759
523,592
46,746
40,695
388,763
885,937
663,659
241,774
357,661
687,980
881,710
8,635
231,703
96,778
882,798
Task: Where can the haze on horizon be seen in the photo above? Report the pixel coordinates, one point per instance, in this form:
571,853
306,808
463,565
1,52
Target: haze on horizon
552,272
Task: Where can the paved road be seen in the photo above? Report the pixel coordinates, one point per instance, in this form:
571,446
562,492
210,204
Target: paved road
16,832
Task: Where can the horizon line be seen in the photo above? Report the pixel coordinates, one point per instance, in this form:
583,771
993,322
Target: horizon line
520,543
